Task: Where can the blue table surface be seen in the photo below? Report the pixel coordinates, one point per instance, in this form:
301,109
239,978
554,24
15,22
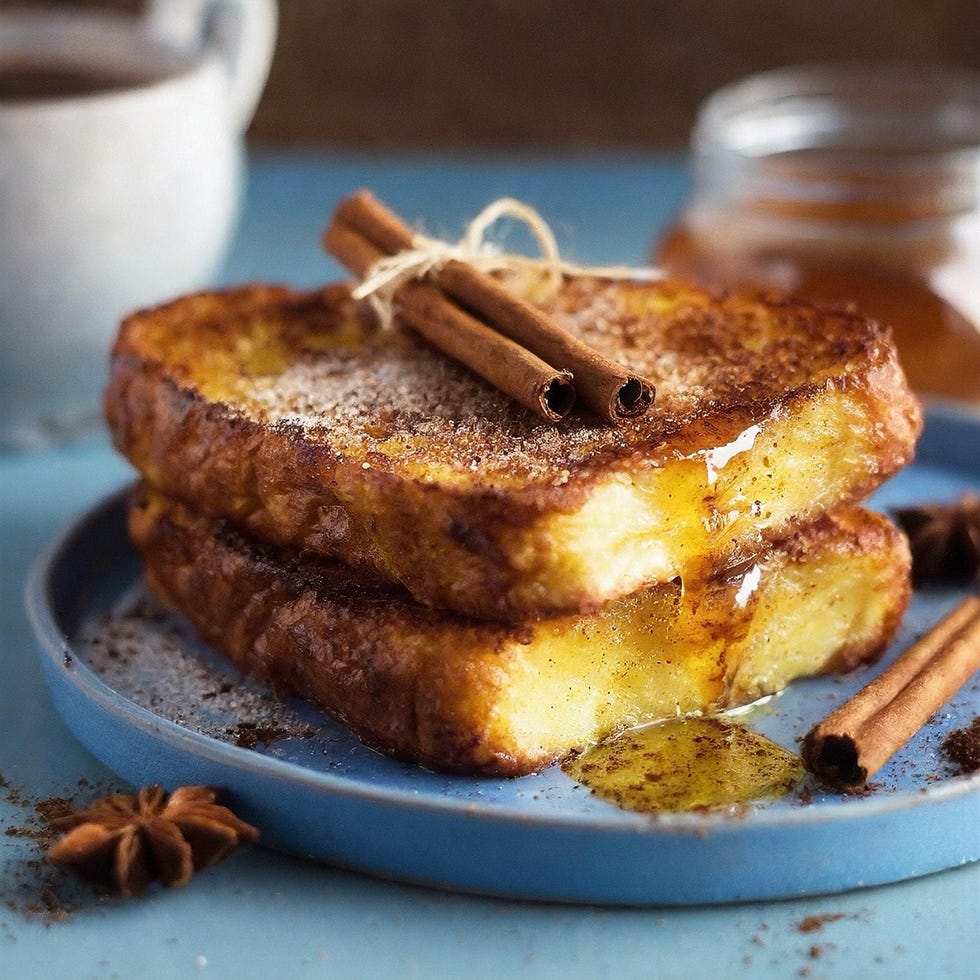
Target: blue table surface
264,915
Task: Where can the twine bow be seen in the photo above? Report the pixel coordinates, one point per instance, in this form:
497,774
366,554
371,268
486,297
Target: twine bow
540,277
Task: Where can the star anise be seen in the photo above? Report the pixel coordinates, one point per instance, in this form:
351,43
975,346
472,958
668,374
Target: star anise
945,540
126,841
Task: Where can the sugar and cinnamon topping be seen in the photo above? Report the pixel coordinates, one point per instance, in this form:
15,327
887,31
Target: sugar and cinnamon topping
125,841
849,746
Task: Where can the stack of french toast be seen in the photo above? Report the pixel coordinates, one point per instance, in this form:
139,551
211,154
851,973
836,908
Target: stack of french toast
356,519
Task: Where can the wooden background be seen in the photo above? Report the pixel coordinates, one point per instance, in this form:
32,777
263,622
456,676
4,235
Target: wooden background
559,75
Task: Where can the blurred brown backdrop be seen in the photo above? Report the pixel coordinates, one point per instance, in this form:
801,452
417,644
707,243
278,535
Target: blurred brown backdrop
473,75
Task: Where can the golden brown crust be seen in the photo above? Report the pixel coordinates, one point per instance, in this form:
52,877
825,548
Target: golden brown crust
291,414
465,695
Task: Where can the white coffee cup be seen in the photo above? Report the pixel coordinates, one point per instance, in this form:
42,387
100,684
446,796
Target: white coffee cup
119,192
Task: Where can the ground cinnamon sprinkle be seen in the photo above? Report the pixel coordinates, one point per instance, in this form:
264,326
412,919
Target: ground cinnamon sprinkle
33,889
814,923
251,735
962,746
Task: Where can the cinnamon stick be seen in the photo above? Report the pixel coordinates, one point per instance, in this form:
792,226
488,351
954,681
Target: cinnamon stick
604,386
849,746
506,365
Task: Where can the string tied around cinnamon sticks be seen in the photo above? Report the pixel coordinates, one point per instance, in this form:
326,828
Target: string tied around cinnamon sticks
534,278
448,294
852,743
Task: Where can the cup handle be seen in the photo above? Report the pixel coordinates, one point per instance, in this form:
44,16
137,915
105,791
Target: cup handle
242,32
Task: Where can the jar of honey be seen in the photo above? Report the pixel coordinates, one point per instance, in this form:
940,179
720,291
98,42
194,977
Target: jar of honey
847,184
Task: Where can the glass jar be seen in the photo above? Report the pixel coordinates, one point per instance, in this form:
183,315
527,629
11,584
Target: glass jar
847,184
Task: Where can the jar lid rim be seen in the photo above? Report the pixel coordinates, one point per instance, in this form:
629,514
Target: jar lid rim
916,113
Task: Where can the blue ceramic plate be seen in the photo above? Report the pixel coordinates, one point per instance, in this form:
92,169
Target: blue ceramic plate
156,707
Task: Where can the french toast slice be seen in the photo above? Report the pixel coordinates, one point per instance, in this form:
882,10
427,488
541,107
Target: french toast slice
294,415
474,696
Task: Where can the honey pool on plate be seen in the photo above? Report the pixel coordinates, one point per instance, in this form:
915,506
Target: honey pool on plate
686,764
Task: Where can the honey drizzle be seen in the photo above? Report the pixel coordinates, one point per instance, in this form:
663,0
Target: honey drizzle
686,764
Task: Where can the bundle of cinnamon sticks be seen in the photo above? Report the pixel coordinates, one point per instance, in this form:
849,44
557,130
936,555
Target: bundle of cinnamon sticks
473,318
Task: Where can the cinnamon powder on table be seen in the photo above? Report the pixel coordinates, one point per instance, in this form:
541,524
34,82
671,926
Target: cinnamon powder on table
32,889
